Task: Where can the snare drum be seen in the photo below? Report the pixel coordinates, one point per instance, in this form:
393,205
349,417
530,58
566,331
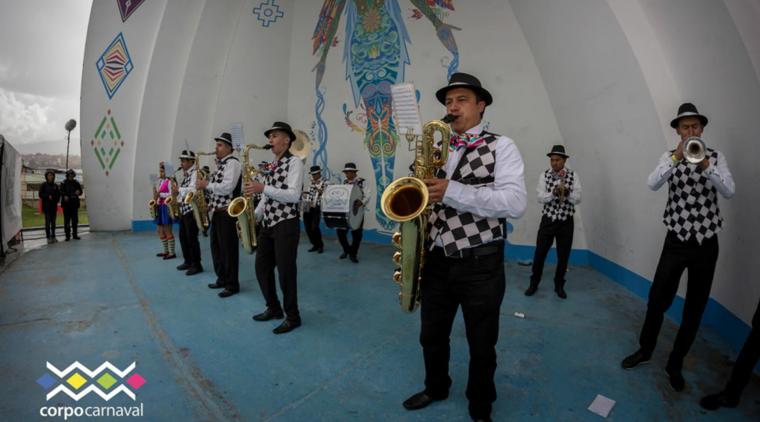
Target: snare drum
337,207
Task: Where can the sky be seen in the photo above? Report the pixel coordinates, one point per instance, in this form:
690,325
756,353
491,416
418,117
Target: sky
41,52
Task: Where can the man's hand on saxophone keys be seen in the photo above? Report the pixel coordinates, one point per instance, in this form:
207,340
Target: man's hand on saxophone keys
436,189
253,187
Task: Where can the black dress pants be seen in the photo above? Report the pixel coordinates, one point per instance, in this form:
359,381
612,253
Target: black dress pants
747,359
188,240
476,284
562,230
352,249
676,257
278,247
311,221
225,250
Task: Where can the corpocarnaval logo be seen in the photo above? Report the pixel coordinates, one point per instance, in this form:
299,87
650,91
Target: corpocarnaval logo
77,381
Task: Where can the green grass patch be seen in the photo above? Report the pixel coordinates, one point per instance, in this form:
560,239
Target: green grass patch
31,218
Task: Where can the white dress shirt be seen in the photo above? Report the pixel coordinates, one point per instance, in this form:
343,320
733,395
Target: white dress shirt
545,196
719,175
505,198
230,178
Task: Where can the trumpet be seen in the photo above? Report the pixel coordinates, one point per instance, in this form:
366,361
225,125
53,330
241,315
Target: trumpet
242,206
405,201
694,150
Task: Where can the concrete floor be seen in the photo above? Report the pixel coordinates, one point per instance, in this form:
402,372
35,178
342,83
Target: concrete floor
357,357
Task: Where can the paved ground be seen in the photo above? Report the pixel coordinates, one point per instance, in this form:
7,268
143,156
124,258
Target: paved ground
357,357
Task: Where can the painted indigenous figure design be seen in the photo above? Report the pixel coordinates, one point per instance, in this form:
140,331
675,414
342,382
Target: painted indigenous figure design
375,53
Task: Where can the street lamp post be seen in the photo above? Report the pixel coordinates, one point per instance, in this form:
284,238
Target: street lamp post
70,125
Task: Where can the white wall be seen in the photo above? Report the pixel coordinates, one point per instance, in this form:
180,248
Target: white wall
603,77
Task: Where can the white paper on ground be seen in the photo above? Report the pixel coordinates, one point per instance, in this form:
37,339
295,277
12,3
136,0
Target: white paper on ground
601,405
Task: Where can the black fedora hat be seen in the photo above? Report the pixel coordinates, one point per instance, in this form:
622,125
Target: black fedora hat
224,137
464,80
558,150
283,127
350,167
186,155
688,110
315,170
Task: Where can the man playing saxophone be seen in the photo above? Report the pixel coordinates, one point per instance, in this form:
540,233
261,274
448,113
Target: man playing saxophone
222,187
280,229
483,185
188,228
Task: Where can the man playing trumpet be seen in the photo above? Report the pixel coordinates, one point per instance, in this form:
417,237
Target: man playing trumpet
692,218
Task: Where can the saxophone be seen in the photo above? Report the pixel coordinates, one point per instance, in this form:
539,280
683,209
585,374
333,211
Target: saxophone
172,201
153,207
197,199
406,201
242,206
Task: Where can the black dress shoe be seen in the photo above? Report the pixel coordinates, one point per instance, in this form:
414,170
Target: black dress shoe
638,358
67,238
716,401
560,292
77,237
420,400
313,249
320,250
161,254
183,266
676,379
194,271
216,285
170,256
287,325
354,260
228,293
343,255
531,290
268,314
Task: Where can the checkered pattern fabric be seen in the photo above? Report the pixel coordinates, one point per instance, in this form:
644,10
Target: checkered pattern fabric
555,209
311,197
216,201
461,230
186,208
692,208
275,211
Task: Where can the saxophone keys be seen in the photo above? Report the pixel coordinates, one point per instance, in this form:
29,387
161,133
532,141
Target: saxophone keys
397,276
396,239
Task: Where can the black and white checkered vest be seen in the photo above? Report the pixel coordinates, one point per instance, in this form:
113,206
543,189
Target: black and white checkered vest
186,208
462,230
313,195
276,211
555,209
692,208
220,202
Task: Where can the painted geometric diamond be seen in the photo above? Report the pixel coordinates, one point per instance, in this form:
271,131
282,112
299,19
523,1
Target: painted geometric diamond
106,380
76,381
107,142
267,12
136,381
127,7
114,65
46,381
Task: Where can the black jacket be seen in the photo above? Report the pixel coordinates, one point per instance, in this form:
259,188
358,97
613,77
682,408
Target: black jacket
50,194
69,196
